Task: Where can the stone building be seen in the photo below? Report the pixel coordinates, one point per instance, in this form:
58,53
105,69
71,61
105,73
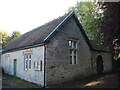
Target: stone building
56,52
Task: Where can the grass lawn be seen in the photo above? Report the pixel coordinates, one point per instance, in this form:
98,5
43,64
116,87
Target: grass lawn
12,80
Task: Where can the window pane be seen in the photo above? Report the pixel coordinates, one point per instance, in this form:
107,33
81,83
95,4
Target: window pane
70,43
75,44
74,59
41,66
34,64
70,59
29,64
26,56
26,64
29,56
37,64
75,52
70,51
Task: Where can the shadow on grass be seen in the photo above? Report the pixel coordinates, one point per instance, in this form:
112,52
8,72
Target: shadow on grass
12,80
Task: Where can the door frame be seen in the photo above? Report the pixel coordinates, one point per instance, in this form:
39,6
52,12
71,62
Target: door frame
15,67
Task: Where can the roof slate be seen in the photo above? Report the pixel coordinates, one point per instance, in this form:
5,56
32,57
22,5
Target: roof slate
98,46
39,35
35,36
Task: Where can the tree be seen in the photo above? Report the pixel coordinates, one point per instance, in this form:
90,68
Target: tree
15,34
90,18
111,26
6,38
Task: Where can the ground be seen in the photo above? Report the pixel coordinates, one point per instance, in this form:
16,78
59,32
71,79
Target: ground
9,81
107,80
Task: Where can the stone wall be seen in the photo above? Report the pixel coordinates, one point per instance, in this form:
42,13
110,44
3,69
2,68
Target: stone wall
58,67
107,61
57,58
29,75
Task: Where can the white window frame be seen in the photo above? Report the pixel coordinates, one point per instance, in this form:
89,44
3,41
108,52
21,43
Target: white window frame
73,48
38,65
27,62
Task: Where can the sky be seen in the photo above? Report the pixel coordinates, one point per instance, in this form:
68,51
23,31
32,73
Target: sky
25,15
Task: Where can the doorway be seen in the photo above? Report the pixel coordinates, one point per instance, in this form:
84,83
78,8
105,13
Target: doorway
99,63
15,67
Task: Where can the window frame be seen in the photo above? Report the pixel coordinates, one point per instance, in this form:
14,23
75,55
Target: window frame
38,65
27,61
73,47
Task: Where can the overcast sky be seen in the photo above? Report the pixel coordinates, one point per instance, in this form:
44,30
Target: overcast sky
25,15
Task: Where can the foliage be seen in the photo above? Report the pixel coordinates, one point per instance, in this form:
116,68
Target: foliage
111,26
6,38
90,18
15,34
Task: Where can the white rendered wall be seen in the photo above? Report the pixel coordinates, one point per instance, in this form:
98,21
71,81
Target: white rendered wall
29,75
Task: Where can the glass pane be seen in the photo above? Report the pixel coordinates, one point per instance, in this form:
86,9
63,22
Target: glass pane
37,64
75,44
26,64
75,52
29,64
70,43
74,59
41,66
26,56
34,64
29,56
70,59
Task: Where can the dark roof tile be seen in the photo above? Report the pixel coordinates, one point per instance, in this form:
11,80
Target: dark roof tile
35,36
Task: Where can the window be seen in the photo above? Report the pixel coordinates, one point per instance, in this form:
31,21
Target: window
38,65
73,51
27,61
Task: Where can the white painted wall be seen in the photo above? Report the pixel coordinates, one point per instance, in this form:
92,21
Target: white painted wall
29,75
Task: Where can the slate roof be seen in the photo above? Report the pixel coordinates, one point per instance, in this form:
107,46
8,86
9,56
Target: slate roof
35,36
44,33
98,46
